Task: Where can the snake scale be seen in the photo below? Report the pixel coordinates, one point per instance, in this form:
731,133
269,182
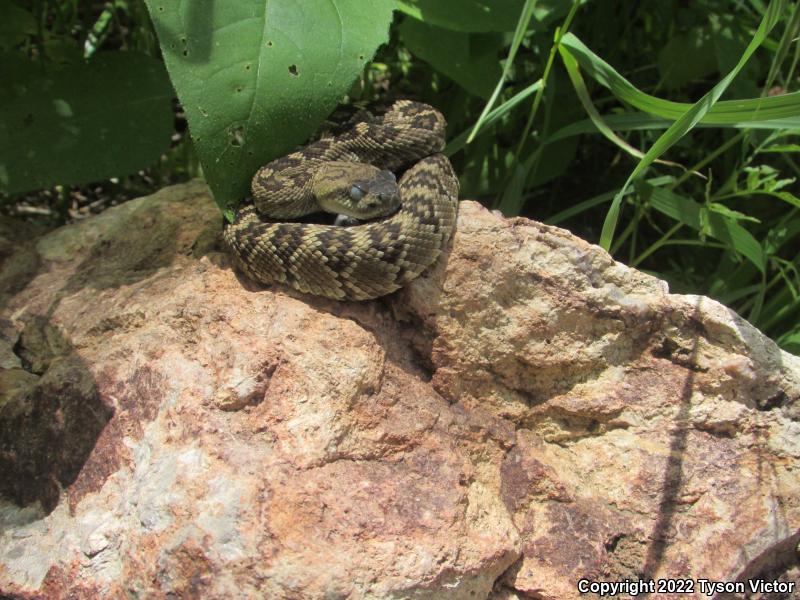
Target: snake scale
352,172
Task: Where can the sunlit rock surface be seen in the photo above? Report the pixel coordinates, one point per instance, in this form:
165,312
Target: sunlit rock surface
527,415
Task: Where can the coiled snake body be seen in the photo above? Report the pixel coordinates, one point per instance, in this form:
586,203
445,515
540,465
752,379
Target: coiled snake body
352,173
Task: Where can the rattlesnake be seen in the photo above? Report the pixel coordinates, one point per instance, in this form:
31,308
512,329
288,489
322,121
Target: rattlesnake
352,172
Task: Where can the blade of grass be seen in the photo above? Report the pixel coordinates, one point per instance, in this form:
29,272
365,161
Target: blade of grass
583,95
641,122
690,213
737,294
721,149
597,200
787,197
519,33
510,201
790,341
783,48
689,119
724,112
658,244
559,35
776,305
458,142
581,206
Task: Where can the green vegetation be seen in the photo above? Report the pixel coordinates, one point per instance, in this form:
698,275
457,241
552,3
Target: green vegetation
665,131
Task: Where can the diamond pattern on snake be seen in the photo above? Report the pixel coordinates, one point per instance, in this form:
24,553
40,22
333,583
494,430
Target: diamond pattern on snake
401,224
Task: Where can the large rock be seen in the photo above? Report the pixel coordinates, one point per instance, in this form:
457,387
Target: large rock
527,415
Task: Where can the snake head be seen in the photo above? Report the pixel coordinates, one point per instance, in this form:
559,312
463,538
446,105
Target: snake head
355,189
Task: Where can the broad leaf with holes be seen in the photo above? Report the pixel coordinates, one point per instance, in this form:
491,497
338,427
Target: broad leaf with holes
256,78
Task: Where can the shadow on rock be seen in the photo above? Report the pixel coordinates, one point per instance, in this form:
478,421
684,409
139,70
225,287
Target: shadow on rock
120,258
51,412
19,261
673,472
50,418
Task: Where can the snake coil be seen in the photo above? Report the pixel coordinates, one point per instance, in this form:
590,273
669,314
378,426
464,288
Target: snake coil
369,259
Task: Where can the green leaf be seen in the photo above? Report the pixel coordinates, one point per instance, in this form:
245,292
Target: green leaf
528,171
781,305
724,112
257,78
80,123
778,236
458,142
16,24
579,85
62,50
99,31
729,40
519,33
688,119
790,342
471,16
686,57
468,15
512,199
469,59
782,148
578,208
733,215
765,178
694,215
787,197
641,121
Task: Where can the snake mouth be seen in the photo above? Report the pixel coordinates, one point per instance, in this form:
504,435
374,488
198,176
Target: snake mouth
342,220
334,219
393,211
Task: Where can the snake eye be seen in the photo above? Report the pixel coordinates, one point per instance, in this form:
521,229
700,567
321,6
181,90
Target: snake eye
356,193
